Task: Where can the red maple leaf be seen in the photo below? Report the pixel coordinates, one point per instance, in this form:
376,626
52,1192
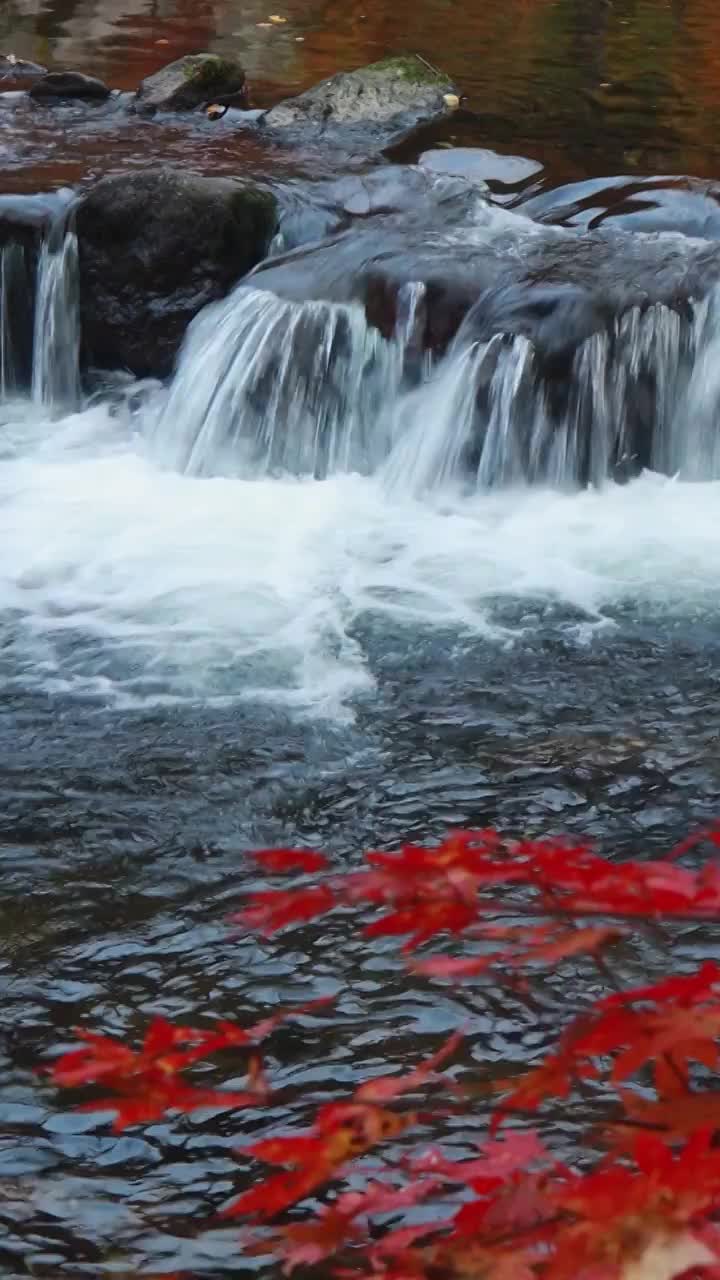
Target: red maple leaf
285,860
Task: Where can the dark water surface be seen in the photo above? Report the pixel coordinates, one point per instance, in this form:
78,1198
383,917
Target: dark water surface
190,667
585,86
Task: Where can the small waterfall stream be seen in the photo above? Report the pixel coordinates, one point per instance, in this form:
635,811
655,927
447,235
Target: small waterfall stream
268,386
56,345
40,320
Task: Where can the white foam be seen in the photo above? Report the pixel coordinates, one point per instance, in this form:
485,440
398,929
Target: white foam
136,585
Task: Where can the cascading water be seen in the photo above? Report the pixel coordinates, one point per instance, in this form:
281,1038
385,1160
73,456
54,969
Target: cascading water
270,386
267,386
40,324
56,346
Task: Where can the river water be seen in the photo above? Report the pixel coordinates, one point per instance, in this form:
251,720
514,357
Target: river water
209,645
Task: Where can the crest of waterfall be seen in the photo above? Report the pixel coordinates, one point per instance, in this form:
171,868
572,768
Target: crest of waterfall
56,343
264,385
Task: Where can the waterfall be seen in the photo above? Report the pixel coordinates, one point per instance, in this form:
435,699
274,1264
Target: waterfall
40,314
269,386
56,345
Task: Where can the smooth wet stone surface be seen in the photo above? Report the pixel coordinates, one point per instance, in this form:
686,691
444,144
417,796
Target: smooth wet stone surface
480,165
69,85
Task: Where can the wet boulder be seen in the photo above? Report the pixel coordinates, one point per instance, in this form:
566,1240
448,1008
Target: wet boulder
687,205
371,109
155,248
409,194
481,166
16,73
552,285
193,81
57,85
27,218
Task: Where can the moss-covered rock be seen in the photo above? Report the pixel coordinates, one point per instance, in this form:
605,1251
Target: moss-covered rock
377,106
193,81
156,247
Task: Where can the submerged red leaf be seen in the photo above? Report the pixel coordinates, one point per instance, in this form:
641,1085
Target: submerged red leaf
386,1088
282,860
274,909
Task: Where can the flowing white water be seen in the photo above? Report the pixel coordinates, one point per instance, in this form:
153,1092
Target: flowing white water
135,585
266,386
133,573
56,345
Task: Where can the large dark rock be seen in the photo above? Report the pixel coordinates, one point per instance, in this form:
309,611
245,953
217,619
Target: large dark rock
371,109
193,81
154,249
68,84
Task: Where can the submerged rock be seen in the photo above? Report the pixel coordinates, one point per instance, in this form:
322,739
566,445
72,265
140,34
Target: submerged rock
154,249
377,106
69,84
479,165
312,211
193,81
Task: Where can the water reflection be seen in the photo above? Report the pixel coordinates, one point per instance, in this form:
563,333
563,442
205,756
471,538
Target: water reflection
585,85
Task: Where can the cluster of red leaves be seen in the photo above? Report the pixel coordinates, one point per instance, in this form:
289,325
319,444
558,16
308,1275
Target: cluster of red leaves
512,1211
665,1027
148,1082
461,887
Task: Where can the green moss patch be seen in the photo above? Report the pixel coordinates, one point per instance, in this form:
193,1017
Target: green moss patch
410,67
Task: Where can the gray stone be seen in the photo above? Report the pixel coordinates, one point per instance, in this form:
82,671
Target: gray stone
377,106
155,248
68,84
16,72
193,81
